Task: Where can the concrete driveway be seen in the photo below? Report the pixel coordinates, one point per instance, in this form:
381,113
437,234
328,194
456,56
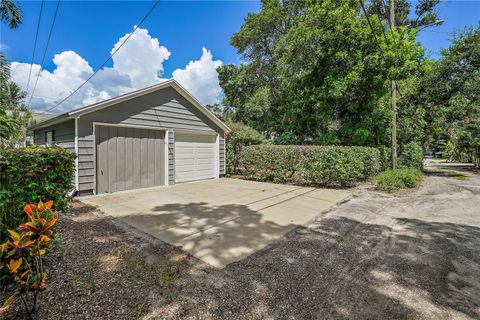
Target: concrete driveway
218,221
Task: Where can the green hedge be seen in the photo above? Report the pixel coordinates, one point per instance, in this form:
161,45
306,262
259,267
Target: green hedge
28,175
393,180
328,166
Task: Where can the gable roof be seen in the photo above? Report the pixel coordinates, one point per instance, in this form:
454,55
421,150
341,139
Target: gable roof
131,95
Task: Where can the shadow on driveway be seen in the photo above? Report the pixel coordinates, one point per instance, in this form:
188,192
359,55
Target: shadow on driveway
343,269
217,234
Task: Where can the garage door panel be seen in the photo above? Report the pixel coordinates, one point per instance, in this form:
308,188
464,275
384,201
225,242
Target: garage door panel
184,162
208,161
112,159
203,167
185,155
194,157
129,158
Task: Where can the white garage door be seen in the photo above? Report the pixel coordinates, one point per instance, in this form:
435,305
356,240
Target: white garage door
195,157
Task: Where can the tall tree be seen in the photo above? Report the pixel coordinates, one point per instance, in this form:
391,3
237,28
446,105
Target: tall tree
10,13
314,69
451,92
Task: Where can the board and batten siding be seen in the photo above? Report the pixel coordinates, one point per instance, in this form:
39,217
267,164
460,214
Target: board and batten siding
63,135
165,108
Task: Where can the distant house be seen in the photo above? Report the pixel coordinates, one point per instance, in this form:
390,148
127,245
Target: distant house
160,135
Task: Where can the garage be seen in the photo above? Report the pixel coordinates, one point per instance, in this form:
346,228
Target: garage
129,158
156,136
195,157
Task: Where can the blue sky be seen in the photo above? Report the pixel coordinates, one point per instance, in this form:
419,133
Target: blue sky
90,29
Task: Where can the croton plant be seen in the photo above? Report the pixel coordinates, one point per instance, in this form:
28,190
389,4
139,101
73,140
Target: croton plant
22,253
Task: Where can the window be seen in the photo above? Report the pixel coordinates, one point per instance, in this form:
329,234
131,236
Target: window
49,138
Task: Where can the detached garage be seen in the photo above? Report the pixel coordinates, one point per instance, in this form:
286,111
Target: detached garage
160,135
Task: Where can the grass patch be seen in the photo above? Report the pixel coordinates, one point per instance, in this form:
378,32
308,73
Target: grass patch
393,180
456,175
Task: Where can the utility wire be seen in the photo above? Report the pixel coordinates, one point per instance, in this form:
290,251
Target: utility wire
108,59
44,52
35,44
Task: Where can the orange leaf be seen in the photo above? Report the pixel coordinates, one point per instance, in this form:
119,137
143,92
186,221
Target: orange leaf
44,238
49,204
29,208
41,206
13,265
52,222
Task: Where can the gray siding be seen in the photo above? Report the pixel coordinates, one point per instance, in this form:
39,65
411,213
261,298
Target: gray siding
162,109
63,136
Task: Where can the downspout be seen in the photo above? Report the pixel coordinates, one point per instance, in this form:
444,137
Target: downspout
76,152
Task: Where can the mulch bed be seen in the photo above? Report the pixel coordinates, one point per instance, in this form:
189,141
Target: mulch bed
99,270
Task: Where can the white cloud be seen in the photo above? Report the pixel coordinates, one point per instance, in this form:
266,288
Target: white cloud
140,58
139,63
200,77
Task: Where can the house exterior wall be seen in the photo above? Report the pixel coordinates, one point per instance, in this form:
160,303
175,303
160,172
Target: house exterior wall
165,108
63,136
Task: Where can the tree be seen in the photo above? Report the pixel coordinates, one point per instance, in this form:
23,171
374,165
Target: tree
15,117
451,91
424,14
313,69
10,13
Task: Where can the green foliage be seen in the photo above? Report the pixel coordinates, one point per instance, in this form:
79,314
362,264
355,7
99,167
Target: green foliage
239,137
287,138
10,13
423,15
30,175
411,156
328,166
14,114
312,69
451,94
393,180
385,157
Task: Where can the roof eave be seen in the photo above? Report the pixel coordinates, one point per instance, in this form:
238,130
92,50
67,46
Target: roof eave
56,120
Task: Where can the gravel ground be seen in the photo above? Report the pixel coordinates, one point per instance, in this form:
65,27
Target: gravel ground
100,269
413,255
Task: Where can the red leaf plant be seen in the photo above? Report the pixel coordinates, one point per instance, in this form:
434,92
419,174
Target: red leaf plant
21,255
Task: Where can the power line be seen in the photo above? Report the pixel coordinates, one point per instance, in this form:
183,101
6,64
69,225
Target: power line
108,59
35,44
44,52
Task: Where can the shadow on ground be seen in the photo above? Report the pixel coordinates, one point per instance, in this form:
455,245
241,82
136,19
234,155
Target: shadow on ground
343,269
218,234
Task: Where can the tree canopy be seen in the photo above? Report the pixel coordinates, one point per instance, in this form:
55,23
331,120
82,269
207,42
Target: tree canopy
314,69
451,94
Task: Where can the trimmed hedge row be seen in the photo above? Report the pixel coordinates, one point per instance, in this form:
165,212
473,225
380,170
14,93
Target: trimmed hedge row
328,166
30,175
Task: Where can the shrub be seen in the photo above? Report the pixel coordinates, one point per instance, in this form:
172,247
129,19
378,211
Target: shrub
328,166
411,156
393,180
30,175
239,137
385,157
21,255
